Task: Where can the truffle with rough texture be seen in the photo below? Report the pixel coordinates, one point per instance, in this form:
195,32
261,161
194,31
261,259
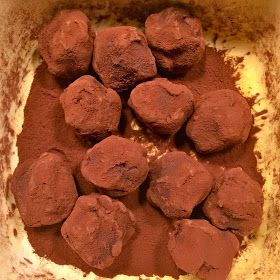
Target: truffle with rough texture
162,105
66,44
116,166
98,228
122,57
175,38
178,183
90,108
199,248
221,119
44,190
235,202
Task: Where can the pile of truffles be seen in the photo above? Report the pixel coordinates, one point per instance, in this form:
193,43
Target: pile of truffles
97,226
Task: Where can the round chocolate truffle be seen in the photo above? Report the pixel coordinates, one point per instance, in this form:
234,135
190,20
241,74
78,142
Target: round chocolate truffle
90,108
115,166
221,119
44,190
66,44
98,228
122,58
199,248
175,38
178,183
235,202
162,105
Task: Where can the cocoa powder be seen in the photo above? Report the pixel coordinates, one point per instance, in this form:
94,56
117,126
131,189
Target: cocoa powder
146,253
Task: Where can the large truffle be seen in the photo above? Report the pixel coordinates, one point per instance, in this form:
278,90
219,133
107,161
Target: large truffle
221,120
44,190
66,44
91,108
178,184
162,105
98,228
115,166
175,38
122,57
199,248
235,202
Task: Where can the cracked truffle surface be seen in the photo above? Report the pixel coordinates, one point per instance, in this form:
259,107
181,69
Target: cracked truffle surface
201,249
178,184
98,228
44,190
115,166
175,38
66,44
162,105
235,202
122,57
221,120
90,108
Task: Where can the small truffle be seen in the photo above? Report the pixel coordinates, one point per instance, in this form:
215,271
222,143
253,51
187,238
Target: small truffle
221,120
66,44
235,202
176,39
115,166
162,105
44,190
200,249
91,108
122,58
98,228
178,184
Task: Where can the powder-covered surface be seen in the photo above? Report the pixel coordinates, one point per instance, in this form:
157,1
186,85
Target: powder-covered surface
44,128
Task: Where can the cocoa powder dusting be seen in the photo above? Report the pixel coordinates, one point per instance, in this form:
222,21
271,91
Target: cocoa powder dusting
146,252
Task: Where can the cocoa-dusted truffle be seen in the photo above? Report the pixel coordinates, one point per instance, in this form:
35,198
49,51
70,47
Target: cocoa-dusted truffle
91,108
44,190
175,38
235,202
178,184
162,105
199,248
66,44
115,166
98,228
221,119
122,57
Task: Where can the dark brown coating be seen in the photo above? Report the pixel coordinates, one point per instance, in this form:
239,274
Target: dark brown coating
175,38
178,184
90,108
116,166
98,228
122,57
235,202
162,105
66,44
44,190
199,248
221,119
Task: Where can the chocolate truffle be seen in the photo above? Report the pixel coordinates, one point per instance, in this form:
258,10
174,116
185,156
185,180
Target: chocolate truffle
199,248
115,166
98,228
66,44
235,202
44,190
221,119
122,57
176,39
91,108
162,105
178,183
